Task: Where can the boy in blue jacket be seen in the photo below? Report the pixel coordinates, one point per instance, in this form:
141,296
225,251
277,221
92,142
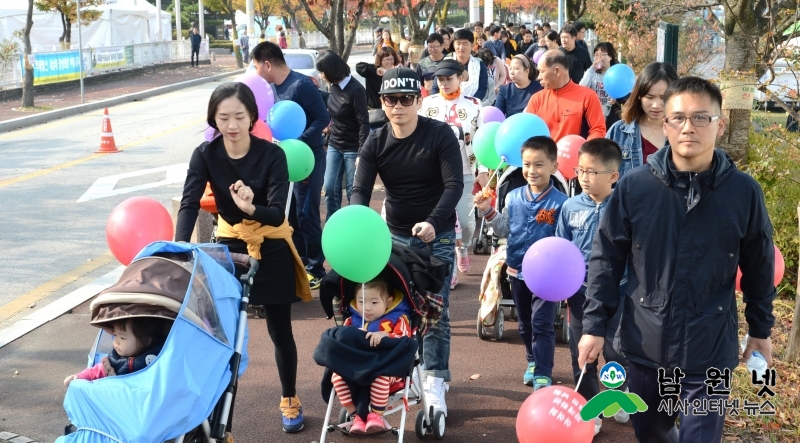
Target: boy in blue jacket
530,214
598,169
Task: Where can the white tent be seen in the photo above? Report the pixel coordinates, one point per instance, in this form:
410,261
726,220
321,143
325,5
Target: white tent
124,22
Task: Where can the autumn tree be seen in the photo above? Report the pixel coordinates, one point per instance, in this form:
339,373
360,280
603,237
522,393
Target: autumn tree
341,25
227,8
69,11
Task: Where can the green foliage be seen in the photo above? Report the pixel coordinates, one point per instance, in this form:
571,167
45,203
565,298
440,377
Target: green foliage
221,44
774,161
9,51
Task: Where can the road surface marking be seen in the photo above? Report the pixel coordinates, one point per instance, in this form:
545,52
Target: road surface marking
105,186
24,301
11,181
58,307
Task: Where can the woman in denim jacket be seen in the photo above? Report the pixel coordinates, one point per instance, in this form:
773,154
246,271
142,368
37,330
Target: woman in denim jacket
640,132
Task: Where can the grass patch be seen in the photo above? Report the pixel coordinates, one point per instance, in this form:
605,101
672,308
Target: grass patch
33,108
767,118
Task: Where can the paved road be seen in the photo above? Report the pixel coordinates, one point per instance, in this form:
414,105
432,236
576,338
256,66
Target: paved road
52,245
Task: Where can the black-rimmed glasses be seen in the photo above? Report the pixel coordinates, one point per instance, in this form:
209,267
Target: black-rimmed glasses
698,121
592,174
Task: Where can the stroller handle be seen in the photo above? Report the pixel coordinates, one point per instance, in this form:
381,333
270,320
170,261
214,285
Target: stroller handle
248,263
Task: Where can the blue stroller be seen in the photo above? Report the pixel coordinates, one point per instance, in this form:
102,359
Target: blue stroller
199,364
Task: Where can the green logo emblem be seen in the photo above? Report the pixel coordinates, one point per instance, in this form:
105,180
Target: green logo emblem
611,401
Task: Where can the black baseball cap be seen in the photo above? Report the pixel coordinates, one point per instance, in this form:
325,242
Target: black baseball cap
400,80
448,67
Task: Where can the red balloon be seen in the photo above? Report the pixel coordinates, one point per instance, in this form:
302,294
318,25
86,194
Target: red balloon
262,131
134,224
552,415
568,154
780,269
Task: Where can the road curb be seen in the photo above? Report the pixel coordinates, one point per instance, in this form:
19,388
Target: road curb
10,437
23,122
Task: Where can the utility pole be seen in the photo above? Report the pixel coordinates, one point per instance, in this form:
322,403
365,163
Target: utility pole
80,46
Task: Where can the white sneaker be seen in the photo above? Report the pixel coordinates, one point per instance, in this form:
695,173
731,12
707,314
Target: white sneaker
598,423
622,416
435,389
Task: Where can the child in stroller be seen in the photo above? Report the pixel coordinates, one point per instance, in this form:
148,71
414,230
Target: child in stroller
384,314
412,277
137,342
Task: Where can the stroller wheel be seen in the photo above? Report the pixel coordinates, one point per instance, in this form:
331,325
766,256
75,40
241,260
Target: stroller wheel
512,313
227,439
478,247
420,427
481,329
438,425
499,320
343,416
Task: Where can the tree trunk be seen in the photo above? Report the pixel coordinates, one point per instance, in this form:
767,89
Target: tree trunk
418,35
67,32
740,57
442,16
575,9
27,84
793,347
61,39
341,35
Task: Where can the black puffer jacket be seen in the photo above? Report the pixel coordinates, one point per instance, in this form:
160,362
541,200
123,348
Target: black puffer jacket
682,235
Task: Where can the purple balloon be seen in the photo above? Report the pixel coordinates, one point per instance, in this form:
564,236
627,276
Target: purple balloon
208,134
265,98
492,114
537,56
553,268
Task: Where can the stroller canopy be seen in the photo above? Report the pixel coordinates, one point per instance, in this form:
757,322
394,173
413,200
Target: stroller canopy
195,284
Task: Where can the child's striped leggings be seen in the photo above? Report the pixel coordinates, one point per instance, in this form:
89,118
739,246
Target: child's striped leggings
378,393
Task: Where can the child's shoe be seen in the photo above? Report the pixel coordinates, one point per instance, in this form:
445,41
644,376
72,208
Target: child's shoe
462,259
528,377
292,414
454,281
375,423
598,423
541,382
359,426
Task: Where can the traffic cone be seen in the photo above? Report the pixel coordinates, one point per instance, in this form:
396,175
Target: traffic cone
107,145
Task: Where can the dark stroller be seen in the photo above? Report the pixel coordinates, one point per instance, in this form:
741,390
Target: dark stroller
418,276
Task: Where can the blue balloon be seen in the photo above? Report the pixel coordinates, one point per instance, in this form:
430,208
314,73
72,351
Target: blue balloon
514,132
618,81
287,120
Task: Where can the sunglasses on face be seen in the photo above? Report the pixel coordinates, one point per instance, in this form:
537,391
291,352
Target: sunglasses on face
405,100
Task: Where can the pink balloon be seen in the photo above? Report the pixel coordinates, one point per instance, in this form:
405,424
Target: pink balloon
265,98
552,415
209,133
568,148
134,224
537,56
553,267
492,114
262,131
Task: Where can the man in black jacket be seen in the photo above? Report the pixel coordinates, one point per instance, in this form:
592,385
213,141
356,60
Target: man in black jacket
195,39
419,161
579,58
681,225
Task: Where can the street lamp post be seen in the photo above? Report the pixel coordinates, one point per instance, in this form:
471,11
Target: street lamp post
80,46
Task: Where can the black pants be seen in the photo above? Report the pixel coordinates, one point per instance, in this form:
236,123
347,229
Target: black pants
654,426
195,56
589,385
305,218
279,326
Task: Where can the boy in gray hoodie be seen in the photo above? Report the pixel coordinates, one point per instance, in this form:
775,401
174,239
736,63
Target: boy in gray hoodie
597,171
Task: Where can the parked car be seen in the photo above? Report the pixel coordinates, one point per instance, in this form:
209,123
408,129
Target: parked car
785,85
304,61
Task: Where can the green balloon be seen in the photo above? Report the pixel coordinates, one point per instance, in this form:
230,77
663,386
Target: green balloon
357,243
299,159
483,146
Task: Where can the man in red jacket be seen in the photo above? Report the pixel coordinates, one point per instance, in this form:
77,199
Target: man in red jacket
567,108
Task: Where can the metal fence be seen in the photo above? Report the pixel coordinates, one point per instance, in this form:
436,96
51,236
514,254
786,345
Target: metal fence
59,66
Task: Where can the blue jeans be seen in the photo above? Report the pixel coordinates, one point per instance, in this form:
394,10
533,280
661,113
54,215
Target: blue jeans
436,343
536,317
304,217
338,162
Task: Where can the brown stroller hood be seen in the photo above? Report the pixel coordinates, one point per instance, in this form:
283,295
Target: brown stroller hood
149,287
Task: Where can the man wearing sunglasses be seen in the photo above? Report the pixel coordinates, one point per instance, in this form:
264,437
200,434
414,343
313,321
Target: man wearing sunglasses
419,162
687,219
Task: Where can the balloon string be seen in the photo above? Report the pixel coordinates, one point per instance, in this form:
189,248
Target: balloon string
494,174
363,306
583,371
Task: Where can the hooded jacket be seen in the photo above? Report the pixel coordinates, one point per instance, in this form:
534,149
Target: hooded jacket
395,321
681,236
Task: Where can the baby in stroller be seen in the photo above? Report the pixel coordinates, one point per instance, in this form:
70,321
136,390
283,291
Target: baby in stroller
383,313
137,342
